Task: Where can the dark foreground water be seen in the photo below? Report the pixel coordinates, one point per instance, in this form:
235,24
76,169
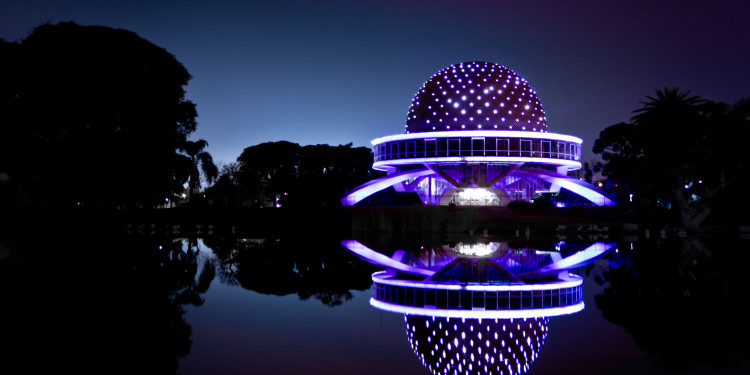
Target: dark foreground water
92,303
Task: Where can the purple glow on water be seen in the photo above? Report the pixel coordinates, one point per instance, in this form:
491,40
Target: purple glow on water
374,257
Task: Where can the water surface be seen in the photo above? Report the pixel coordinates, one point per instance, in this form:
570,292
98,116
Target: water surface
148,304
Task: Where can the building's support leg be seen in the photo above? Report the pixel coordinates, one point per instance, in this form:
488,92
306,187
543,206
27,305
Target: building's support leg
563,170
369,188
582,188
443,175
503,175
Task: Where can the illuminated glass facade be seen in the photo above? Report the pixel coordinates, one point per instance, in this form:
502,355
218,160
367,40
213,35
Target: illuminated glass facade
476,134
472,145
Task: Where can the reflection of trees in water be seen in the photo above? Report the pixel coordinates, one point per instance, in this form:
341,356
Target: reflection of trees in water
97,303
681,302
310,268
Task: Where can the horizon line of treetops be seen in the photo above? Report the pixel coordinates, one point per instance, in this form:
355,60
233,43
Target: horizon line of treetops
97,117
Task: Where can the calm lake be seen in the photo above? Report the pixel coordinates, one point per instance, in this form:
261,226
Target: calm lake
136,303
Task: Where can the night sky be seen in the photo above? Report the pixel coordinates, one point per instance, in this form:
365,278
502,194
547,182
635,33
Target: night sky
334,72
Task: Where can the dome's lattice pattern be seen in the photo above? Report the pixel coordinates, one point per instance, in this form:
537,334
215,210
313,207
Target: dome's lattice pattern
476,346
476,96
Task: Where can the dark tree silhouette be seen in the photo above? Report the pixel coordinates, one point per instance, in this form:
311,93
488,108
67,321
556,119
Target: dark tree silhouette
291,175
267,169
92,116
676,148
326,173
318,268
226,190
198,162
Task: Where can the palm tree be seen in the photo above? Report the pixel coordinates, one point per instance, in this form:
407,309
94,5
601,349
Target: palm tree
669,102
200,161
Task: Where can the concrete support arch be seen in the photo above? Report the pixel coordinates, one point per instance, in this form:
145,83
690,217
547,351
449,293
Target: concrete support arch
365,190
582,188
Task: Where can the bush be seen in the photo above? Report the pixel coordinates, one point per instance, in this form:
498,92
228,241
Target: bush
520,206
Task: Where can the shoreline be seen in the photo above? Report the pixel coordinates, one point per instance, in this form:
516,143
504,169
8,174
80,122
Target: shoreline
344,221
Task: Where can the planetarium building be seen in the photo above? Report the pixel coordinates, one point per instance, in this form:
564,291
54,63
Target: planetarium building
476,134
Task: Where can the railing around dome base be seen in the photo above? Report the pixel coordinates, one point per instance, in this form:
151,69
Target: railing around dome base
508,144
477,301
499,299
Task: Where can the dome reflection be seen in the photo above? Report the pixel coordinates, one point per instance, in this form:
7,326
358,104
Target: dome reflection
476,346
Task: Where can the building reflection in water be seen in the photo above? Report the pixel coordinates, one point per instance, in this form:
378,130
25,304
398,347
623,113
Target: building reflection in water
479,308
483,346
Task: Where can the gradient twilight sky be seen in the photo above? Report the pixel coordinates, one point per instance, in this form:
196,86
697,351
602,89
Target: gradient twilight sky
334,72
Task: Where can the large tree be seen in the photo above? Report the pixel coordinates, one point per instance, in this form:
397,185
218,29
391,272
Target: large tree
268,170
291,175
679,149
92,115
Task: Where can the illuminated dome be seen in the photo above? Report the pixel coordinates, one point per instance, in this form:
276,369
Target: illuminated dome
476,96
476,346
476,135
